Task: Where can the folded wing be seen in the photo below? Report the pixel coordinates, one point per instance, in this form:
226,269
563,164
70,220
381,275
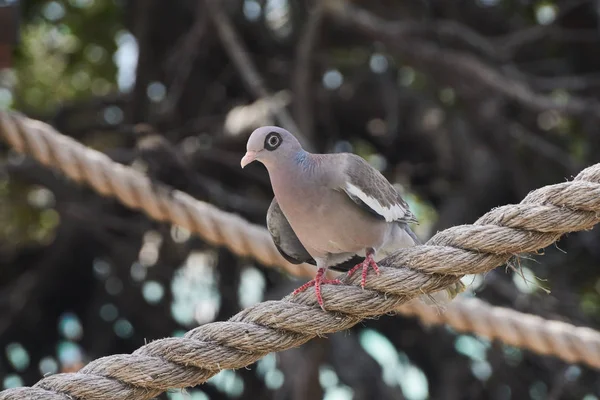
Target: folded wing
369,189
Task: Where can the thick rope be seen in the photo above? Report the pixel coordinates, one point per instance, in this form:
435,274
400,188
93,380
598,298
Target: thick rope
541,218
570,343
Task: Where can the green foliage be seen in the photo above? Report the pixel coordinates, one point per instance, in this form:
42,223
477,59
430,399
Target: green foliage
23,222
66,53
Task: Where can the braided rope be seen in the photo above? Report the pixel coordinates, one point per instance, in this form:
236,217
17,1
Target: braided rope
542,217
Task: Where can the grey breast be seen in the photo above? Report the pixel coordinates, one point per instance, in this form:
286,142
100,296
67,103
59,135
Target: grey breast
289,246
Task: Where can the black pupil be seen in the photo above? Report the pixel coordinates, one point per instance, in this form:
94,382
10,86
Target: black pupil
273,140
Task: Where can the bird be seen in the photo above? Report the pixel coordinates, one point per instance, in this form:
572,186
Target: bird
334,211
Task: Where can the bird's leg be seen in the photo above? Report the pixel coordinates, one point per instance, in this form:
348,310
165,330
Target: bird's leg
317,282
368,261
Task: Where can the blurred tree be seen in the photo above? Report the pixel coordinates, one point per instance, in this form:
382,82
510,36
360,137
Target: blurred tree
464,105
9,27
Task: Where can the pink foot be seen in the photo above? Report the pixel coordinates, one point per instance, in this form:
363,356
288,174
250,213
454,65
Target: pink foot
368,261
317,282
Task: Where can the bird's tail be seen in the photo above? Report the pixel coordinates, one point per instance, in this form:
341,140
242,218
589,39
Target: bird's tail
412,235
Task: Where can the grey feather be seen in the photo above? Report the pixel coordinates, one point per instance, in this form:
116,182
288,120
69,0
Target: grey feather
411,234
285,239
373,184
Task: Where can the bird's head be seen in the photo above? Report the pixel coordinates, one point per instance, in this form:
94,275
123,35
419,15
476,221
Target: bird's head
268,143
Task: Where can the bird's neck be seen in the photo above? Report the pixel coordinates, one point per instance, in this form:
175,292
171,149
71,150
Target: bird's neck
291,177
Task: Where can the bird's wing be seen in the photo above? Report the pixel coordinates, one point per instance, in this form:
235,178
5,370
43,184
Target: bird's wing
369,189
285,238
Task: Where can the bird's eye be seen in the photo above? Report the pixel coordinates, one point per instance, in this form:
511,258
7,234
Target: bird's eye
272,141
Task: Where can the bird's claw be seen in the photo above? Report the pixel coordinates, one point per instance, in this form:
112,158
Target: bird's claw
368,261
317,282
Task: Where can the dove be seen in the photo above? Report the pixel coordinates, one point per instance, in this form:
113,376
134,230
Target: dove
334,211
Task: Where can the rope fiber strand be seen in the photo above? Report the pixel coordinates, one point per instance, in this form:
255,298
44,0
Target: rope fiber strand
539,220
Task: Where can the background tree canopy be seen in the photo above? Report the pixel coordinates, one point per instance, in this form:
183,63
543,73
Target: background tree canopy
464,105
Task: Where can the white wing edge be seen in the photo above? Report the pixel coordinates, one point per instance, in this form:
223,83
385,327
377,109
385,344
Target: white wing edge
394,213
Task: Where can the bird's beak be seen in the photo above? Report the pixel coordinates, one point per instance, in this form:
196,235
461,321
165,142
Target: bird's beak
248,158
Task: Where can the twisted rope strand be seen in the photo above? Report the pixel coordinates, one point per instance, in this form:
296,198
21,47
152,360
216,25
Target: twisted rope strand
278,325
